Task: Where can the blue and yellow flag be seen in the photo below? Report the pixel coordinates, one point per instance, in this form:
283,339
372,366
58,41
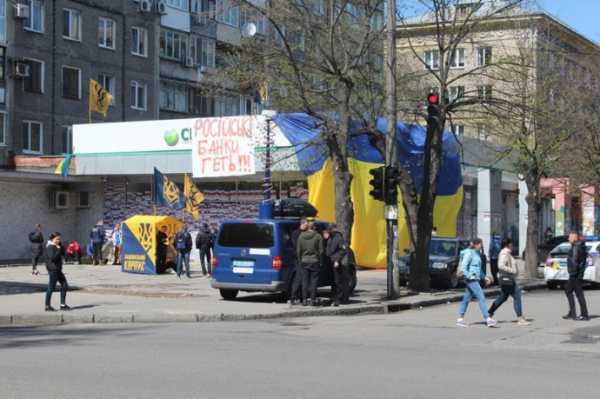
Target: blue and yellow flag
193,197
63,166
166,192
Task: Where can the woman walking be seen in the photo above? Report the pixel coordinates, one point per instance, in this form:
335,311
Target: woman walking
508,282
54,264
473,272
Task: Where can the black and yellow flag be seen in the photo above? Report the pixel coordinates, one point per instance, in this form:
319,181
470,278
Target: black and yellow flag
100,98
166,192
193,197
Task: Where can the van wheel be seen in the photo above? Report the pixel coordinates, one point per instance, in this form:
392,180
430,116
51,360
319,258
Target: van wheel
229,295
553,285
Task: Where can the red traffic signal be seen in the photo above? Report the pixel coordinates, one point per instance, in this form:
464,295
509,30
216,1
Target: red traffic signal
433,99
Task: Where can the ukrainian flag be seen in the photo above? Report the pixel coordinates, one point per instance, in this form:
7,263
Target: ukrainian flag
368,232
63,166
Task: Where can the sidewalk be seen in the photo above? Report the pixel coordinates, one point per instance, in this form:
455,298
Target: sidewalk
103,294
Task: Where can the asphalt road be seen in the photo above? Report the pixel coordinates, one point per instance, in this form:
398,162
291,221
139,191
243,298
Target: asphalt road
415,354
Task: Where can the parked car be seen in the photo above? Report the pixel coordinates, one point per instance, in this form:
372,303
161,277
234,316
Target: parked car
257,255
555,268
444,257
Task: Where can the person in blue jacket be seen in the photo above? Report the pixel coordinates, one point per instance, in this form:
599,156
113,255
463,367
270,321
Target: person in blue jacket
494,253
473,274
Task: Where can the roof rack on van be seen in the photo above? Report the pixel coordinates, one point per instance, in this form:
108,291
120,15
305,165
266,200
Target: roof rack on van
293,208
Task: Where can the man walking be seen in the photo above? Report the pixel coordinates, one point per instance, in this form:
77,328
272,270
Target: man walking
36,239
97,237
183,245
336,250
203,245
54,264
494,253
309,252
576,265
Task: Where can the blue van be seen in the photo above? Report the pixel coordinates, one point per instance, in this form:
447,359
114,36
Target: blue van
257,255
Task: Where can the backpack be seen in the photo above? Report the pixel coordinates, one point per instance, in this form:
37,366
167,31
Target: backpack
181,242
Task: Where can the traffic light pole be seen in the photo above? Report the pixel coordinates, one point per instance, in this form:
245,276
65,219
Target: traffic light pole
391,208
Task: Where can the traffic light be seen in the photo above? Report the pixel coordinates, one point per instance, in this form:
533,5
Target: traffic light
391,185
377,183
433,110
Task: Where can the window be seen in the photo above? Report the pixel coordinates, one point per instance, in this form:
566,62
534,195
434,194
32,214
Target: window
456,92
484,93
72,24
204,51
482,132
318,7
107,32
35,22
459,130
67,140
484,56
246,106
2,62
138,96
139,41
2,128
108,82
204,105
84,199
71,79
205,9
34,83
32,137
457,60
173,98
173,45
228,13
432,59
2,21
247,235
227,106
181,4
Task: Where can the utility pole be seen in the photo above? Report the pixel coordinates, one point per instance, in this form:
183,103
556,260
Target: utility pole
391,205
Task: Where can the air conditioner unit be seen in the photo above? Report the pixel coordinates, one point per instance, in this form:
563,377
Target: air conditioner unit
60,200
22,11
161,8
21,69
189,62
145,5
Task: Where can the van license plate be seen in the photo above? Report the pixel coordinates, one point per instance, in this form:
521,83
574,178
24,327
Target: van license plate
243,270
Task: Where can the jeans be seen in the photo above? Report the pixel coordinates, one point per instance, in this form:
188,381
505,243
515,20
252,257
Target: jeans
576,285
473,290
57,277
183,257
205,259
97,252
509,290
310,281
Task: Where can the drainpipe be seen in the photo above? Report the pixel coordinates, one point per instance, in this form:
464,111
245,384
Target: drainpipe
53,90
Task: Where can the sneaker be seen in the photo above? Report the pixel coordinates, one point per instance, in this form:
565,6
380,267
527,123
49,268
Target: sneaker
491,322
569,316
583,318
65,307
461,323
50,309
523,322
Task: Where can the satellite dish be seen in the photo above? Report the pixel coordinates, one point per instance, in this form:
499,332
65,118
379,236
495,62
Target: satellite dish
249,30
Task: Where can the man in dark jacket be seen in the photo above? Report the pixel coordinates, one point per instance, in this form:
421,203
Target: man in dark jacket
336,250
162,242
204,242
97,237
183,245
576,265
36,239
296,293
310,252
54,263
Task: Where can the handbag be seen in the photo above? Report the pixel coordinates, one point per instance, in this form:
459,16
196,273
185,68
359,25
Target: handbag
507,281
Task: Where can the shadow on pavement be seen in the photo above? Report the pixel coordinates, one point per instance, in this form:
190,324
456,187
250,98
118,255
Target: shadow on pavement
12,288
29,337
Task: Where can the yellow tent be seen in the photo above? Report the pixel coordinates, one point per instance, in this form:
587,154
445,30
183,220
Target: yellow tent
140,242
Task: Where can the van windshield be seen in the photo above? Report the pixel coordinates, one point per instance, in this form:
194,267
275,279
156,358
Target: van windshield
247,235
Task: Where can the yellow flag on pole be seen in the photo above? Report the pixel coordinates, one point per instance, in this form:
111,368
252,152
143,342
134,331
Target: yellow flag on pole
193,197
100,98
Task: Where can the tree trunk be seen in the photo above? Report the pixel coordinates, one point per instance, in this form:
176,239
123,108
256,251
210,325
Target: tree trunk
534,206
344,208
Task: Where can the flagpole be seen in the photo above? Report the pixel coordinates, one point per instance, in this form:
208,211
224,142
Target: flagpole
153,195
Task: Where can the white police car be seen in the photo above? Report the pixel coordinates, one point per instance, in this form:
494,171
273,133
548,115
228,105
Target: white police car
555,268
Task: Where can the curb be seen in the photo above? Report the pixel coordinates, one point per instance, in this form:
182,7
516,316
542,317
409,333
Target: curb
62,318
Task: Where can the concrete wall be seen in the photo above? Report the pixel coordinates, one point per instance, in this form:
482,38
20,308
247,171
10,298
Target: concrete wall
22,205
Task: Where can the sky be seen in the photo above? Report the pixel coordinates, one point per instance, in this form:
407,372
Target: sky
581,15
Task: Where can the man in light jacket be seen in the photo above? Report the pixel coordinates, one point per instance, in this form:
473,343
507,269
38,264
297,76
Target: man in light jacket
508,273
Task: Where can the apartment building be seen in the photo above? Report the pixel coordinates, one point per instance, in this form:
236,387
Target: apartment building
494,196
